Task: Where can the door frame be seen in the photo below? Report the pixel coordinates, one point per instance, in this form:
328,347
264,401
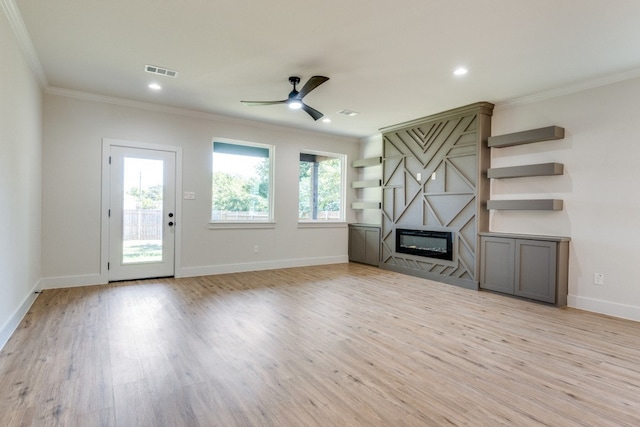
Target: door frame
107,143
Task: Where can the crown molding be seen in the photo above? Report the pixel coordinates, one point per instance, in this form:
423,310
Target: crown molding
159,108
569,89
24,40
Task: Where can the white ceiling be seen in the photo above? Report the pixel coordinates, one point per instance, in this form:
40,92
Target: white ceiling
391,61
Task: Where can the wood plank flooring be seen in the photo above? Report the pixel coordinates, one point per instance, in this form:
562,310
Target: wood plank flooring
339,345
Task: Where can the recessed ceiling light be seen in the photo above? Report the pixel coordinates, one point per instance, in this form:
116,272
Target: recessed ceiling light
347,113
155,86
326,120
460,71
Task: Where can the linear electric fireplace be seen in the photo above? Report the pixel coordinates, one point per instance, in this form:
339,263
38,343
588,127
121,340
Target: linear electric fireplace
427,243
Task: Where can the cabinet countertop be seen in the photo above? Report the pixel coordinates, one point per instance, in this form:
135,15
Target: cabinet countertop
525,236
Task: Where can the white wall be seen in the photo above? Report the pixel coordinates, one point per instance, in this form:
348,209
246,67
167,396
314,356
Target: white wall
20,183
600,188
73,133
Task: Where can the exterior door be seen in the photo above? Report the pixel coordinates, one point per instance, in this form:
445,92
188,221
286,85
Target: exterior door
141,214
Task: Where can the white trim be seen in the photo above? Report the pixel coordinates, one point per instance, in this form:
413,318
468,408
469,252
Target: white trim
343,182
258,266
604,307
107,143
270,223
16,317
240,225
322,224
72,281
16,22
566,90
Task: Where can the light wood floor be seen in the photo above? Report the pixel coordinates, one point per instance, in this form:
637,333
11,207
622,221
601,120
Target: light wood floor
340,345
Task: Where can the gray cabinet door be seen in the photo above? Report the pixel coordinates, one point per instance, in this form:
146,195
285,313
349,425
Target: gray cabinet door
364,244
535,271
497,269
356,244
372,246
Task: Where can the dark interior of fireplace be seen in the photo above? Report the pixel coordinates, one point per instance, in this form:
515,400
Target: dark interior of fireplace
426,243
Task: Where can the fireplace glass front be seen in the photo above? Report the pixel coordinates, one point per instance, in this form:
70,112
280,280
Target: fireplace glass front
427,243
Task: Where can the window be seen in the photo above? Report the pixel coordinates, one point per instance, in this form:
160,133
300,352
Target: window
241,183
321,188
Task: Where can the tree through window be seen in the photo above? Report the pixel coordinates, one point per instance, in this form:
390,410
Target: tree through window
321,187
241,189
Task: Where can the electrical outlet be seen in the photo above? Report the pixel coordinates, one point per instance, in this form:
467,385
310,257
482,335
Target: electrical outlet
598,278
256,249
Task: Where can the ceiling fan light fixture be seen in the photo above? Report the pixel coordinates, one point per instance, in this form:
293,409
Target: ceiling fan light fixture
294,100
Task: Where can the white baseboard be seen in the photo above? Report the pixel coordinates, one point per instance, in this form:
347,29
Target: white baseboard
98,279
16,317
256,266
604,307
72,281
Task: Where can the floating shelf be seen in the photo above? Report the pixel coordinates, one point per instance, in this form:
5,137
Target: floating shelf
366,205
542,169
526,137
371,183
531,205
362,163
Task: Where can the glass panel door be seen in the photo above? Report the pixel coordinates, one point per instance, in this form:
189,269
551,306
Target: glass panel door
142,210
142,213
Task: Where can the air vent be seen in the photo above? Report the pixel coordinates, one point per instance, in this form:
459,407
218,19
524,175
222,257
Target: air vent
160,71
348,113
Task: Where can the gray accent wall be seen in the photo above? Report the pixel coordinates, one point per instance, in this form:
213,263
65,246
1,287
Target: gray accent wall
434,177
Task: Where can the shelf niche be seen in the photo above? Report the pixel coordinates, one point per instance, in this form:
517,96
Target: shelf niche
526,205
548,133
363,163
542,169
371,183
366,205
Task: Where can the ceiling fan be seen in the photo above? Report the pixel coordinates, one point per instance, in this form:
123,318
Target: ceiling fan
295,97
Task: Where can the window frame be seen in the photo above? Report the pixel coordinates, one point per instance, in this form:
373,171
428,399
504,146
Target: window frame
242,224
343,191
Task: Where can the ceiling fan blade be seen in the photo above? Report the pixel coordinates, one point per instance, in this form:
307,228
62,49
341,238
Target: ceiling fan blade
311,84
256,103
312,111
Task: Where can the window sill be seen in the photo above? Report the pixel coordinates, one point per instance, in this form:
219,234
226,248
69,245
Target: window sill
229,225
322,224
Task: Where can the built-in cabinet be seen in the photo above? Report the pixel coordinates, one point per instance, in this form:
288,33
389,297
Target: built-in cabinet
528,266
364,244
